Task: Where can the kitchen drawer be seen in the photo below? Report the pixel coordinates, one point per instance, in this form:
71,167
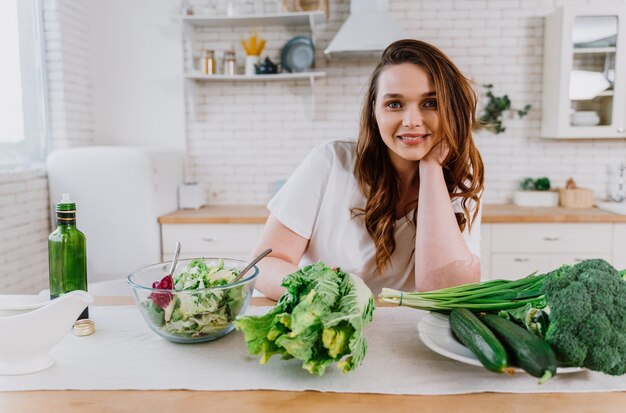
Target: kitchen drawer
552,238
571,259
210,240
514,266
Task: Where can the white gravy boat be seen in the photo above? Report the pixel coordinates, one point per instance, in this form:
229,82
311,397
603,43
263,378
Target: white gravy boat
32,325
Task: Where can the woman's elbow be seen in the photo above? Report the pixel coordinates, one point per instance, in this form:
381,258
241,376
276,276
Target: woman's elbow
450,275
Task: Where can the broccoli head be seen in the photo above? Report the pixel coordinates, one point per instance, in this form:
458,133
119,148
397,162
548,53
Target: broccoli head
587,305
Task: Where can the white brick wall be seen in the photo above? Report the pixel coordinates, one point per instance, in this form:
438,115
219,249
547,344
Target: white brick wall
24,204
248,135
68,57
23,230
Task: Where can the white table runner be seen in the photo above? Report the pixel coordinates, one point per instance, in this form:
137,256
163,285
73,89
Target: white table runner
125,354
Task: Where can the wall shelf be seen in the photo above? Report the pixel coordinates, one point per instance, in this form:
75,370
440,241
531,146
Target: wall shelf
285,19
191,23
273,77
590,50
295,18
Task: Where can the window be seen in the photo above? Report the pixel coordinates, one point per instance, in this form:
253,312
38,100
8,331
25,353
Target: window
23,117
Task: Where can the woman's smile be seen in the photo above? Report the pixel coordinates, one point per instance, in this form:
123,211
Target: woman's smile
413,138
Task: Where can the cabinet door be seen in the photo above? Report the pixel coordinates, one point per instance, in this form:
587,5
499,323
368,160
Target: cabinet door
584,81
619,246
514,266
485,250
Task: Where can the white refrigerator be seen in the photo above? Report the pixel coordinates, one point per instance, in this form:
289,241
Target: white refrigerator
119,193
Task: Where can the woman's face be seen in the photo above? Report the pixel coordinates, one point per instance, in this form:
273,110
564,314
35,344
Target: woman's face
406,113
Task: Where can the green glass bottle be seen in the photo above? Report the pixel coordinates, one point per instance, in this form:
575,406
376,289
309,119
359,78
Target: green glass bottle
67,253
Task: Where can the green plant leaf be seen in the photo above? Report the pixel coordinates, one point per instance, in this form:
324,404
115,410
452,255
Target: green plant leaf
492,114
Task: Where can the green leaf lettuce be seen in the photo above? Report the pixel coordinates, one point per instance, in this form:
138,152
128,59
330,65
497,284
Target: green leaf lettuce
320,320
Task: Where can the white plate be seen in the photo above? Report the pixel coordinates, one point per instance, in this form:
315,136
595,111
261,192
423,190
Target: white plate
298,54
434,331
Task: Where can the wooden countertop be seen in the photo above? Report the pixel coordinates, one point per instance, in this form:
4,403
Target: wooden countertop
266,401
514,214
492,213
218,214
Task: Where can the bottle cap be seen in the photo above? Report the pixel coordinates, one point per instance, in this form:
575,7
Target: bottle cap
84,327
66,204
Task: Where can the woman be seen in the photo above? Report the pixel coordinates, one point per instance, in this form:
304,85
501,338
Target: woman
399,208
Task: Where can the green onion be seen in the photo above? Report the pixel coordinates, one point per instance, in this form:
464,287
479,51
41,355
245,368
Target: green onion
482,296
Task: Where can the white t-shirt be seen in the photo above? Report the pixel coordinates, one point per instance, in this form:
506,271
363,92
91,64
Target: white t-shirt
316,204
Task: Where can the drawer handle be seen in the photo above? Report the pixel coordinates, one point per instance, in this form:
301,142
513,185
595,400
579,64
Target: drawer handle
550,238
521,259
210,239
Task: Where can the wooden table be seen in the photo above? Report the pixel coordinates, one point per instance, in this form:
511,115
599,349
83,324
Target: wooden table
184,401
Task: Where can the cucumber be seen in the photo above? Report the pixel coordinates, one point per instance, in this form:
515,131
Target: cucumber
528,351
479,339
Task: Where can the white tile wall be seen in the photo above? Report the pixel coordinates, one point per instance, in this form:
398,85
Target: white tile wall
248,135
24,204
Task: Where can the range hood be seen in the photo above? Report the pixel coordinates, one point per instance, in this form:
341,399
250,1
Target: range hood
369,28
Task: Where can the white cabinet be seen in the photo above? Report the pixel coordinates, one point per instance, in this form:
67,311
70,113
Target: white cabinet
520,249
584,73
619,246
485,250
210,240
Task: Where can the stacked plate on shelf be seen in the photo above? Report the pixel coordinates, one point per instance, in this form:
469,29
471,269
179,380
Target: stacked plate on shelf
584,118
595,31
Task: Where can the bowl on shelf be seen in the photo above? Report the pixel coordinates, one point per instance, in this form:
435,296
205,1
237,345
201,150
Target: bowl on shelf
584,118
586,85
182,309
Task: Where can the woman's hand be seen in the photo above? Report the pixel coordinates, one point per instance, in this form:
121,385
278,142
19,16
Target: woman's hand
438,153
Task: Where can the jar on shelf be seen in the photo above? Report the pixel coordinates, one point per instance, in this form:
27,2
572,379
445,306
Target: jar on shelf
208,62
229,63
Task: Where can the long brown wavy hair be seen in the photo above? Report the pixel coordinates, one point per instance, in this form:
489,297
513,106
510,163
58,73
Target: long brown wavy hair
463,167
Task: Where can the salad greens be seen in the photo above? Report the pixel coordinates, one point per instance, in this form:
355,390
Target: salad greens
320,320
191,311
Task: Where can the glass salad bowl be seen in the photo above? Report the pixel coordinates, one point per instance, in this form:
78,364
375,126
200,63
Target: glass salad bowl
199,302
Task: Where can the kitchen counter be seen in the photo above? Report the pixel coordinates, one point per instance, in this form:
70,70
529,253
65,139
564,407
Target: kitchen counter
218,214
508,213
69,401
492,213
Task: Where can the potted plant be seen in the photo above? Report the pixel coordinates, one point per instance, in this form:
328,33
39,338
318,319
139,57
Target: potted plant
492,114
535,193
